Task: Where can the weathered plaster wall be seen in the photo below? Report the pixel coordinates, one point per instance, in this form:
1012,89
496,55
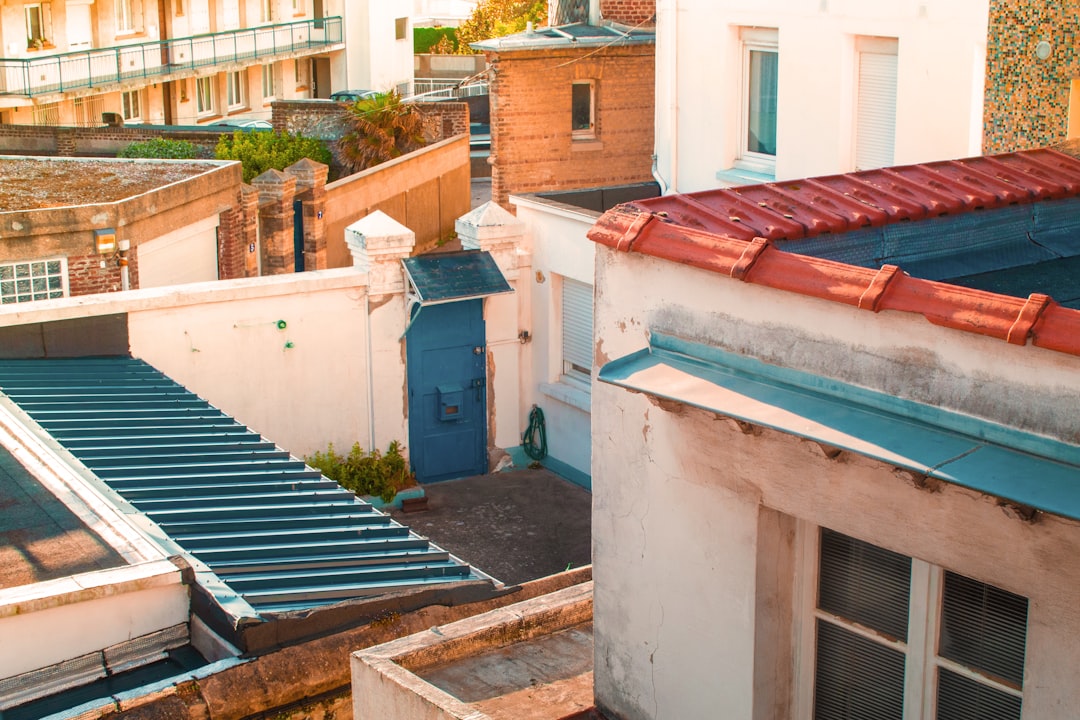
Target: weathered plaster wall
1027,97
705,508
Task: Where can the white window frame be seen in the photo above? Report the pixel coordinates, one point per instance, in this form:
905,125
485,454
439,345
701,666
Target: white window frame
128,14
266,11
588,133
875,114
205,102
236,87
576,342
268,84
131,105
10,295
755,40
920,651
43,12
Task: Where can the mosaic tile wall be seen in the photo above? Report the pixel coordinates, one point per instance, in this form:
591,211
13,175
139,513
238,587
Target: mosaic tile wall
1027,98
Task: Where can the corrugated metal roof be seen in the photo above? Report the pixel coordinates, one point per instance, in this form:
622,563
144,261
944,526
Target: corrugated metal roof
278,533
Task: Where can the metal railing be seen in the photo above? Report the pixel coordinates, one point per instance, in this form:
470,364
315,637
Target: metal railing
440,89
159,59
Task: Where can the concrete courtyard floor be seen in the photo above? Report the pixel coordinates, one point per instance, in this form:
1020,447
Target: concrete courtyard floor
516,526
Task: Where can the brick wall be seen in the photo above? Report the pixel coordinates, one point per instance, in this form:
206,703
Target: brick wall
86,275
232,239
93,141
327,121
532,148
629,12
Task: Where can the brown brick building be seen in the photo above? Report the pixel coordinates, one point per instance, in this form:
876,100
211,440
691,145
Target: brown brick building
572,106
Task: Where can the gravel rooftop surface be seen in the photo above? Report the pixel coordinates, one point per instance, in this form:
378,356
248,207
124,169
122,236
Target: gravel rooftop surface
33,184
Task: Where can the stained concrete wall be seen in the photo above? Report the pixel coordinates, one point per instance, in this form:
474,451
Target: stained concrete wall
707,510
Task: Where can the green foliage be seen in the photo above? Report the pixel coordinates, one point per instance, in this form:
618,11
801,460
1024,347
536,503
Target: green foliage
160,148
434,40
259,151
381,128
366,473
495,18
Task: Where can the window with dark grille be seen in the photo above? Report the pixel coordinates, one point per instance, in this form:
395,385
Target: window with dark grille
873,609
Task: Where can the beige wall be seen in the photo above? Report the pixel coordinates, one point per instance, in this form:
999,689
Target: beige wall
425,191
707,510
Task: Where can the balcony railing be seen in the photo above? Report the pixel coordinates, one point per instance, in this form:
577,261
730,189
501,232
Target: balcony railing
441,89
159,59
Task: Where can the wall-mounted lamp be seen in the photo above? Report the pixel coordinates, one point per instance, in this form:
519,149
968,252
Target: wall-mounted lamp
1043,50
105,240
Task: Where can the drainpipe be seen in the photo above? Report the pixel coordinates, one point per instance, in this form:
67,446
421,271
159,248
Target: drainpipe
370,369
123,246
594,12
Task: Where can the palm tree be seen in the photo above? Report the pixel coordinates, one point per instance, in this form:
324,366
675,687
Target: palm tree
381,128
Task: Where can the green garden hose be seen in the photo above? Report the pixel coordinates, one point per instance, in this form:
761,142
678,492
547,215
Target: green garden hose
535,438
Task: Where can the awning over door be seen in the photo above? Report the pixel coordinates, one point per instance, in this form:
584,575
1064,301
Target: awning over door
445,277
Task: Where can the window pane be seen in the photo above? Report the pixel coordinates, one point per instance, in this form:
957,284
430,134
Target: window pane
7,272
52,267
581,111
984,628
761,123
856,678
960,698
865,584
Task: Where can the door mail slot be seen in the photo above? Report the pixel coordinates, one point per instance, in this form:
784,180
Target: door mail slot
451,399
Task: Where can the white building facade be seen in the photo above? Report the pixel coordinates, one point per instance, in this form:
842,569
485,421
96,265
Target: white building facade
191,62
781,89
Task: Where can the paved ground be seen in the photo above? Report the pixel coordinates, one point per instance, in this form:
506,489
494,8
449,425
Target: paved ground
481,191
515,526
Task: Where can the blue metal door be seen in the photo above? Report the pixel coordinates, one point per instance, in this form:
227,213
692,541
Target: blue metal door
298,235
447,381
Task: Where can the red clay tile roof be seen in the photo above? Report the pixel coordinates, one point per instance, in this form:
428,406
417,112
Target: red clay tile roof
730,231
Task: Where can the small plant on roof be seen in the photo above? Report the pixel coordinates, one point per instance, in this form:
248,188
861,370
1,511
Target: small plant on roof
366,473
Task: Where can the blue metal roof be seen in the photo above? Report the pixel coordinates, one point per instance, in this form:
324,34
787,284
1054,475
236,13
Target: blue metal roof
442,277
1028,469
279,534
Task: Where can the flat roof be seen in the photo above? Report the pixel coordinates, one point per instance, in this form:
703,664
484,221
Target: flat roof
31,183
570,36
40,538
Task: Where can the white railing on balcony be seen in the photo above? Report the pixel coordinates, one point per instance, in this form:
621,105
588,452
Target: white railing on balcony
106,66
441,89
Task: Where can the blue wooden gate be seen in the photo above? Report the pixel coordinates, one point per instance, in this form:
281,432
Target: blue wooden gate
447,378
298,235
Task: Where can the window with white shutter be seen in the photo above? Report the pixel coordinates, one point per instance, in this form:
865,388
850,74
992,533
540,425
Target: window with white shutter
896,637
577,329
875,106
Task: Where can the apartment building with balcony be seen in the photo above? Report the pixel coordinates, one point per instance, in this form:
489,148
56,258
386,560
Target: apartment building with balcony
191,62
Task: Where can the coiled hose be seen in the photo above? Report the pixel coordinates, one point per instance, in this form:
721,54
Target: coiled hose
535,438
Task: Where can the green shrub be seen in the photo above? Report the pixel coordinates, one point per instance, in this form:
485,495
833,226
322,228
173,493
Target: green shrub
261,150
366,473
427,39
160,148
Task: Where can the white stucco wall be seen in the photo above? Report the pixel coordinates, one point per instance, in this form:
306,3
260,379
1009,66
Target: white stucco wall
690,584
942,45
375,59
84,613
556,237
